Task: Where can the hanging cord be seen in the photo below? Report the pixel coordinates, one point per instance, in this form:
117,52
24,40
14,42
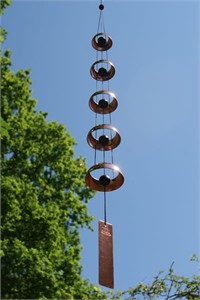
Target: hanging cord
105,211
110,121
101,25
105,204
95,150
101,28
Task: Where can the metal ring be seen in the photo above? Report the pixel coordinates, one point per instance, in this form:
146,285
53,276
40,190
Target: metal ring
112,143
106,46
114,184
109,73
111,105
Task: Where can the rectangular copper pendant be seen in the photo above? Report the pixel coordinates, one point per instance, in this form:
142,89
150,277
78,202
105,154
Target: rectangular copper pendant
106,273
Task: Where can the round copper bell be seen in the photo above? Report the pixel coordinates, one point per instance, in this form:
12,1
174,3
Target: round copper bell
104,183
102,74
104,142
102,42
104,106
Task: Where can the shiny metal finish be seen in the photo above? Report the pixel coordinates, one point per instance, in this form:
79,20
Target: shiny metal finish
101,73
113,142
101,46
111,98
106,266
94,183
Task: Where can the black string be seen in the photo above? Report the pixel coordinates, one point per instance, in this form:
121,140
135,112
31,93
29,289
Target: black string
101,23
100,16
101,28
105,212
95,151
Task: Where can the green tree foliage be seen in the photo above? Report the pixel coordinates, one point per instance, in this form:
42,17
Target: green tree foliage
4,125
4,128
164,286
44,200
3,5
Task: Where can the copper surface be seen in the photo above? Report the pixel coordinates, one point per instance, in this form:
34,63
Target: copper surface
110,71
94,183
106,266
105,47
94,106
113,142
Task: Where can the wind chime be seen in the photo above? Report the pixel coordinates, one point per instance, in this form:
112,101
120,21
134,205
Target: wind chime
103,176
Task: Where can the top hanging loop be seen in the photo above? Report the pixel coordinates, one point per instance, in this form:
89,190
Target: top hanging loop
101,27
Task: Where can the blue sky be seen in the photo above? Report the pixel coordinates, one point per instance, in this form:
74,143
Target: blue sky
155,51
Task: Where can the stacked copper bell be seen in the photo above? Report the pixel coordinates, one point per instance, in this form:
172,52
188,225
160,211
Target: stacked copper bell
103,102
